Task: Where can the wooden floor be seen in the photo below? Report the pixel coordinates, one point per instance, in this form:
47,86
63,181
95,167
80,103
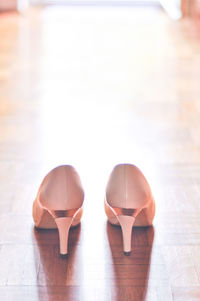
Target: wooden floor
94,87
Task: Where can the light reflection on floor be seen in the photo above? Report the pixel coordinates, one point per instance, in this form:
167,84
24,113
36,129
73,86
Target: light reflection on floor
86,81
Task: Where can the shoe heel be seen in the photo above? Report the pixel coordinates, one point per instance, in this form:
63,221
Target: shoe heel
126,222
63,224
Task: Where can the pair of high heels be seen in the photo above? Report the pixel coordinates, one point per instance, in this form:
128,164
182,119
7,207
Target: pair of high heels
59,202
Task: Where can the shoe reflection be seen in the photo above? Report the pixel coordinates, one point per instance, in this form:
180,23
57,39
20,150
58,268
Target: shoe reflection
93,271
130,273
57,277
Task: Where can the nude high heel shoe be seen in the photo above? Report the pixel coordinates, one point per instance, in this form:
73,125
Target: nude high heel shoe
59,203
128,201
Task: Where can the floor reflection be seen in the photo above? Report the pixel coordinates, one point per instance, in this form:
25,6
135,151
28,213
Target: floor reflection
131,273
57,278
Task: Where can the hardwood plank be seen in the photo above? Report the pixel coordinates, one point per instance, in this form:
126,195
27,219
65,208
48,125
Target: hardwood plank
181,268
190,294
94,87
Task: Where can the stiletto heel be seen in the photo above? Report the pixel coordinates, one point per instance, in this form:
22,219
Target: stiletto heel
63,224
126,222
129,201
59,203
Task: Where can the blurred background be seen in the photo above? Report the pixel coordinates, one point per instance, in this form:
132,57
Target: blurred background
94,83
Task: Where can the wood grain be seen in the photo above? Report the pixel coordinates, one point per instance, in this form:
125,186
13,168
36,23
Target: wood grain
94,87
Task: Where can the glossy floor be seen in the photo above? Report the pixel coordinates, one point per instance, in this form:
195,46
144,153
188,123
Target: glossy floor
94,87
